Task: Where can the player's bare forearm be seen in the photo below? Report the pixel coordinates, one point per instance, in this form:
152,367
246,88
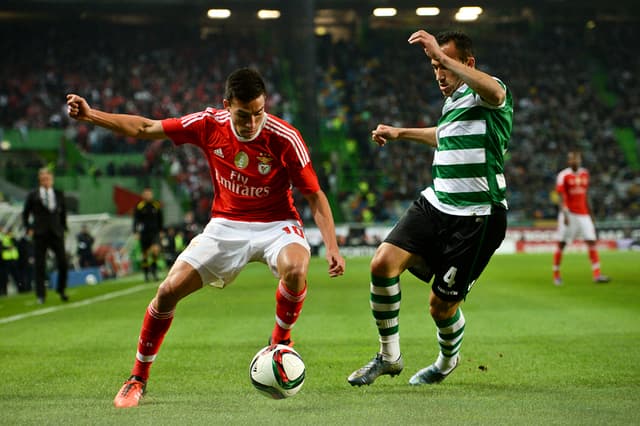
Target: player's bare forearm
130,125
425,135
322,216
126,124
482,83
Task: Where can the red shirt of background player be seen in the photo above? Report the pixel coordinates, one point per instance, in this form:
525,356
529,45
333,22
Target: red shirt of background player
572,187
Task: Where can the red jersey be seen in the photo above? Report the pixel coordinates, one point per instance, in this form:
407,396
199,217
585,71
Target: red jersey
572,187
251,178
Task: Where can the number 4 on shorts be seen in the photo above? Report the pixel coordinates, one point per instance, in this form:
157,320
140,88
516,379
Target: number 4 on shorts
450,276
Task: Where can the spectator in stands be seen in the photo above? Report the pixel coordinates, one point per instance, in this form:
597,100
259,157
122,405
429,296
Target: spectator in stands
45,217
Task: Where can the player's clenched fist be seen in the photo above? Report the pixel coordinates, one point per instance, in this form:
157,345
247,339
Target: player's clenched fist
383,133
77,107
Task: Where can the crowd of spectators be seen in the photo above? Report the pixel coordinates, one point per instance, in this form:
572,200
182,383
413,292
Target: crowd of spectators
127,69
573,86
559,79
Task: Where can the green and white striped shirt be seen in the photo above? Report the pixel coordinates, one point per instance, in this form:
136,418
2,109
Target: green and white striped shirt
468,164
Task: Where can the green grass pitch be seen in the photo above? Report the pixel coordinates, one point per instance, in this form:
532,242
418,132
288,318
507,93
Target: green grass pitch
533,353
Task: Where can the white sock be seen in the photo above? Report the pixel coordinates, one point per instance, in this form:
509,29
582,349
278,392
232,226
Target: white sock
390,347
446,364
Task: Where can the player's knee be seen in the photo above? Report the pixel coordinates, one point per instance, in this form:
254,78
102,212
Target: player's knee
440,313
441,310
295,272
168,296
380,265
165,293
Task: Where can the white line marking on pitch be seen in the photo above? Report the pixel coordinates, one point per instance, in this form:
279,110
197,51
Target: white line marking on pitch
85,302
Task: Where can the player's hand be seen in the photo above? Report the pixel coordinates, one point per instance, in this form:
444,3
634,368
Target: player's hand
77,107
383,134
336,263
428,43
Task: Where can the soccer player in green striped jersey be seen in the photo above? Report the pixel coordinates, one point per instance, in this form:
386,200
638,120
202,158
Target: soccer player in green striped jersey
451,231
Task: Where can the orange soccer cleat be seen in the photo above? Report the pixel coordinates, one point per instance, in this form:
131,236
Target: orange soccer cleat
130,393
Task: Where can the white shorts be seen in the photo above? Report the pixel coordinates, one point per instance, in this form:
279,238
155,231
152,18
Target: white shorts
580,228
225,247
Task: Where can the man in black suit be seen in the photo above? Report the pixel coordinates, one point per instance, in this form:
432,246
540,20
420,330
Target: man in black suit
45,218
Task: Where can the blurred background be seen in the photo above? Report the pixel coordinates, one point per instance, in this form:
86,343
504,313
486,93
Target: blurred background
335,69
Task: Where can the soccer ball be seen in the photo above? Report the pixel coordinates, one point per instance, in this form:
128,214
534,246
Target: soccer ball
277,371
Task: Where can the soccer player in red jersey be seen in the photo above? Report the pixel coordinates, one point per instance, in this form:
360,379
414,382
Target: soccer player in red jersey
254,158
574,217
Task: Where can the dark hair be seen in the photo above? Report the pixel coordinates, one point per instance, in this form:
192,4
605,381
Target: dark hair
245,85
463,42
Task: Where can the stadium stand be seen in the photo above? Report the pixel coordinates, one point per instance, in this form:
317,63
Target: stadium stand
564,88
565,95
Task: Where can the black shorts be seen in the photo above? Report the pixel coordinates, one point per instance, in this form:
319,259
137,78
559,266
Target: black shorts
149,239
454,249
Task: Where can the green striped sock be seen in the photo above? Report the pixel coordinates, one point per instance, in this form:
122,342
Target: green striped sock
450,334
385,305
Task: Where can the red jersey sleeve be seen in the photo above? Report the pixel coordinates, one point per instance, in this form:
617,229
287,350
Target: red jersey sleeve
188,129
307,180
295,156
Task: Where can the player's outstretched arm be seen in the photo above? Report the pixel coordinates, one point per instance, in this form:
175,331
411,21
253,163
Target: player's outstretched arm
126,124
482,83
321,211
383,134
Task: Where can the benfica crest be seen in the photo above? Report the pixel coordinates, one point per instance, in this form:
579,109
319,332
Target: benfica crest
264,164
